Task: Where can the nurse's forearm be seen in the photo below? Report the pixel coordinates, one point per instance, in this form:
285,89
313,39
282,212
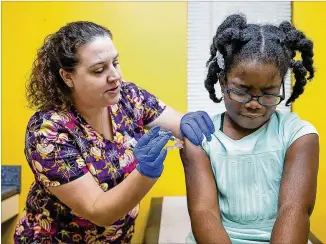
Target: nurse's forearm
117,202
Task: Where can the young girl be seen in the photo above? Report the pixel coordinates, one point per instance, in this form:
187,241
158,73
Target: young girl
255,181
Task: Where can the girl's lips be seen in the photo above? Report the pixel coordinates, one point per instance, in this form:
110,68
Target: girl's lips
252,116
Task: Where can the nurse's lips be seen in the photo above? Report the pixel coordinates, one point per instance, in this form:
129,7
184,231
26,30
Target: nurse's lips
113,90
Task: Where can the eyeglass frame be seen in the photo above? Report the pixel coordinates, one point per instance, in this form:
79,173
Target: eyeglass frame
282,97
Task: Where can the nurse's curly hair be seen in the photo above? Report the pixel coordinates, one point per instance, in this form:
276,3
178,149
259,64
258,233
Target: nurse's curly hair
238,42
45,88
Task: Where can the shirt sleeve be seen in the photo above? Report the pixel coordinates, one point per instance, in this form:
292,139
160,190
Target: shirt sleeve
52,155
294,128
206,145
147,107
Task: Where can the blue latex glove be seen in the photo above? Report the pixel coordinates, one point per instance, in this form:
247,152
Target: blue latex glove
149,154
195,125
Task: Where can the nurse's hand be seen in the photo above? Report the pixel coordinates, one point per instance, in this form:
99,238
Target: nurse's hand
195,125
150,152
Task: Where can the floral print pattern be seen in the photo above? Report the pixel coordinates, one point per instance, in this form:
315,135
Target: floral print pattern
60,146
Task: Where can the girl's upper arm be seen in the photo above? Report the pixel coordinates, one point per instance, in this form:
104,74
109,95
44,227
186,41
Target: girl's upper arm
200,181
299,179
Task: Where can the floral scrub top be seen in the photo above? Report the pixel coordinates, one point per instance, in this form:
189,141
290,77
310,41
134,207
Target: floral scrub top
60,146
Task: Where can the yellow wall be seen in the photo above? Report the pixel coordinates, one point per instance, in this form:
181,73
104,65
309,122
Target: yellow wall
151,40
308,16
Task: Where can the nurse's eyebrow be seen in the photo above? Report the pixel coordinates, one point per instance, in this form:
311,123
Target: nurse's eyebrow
102,62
